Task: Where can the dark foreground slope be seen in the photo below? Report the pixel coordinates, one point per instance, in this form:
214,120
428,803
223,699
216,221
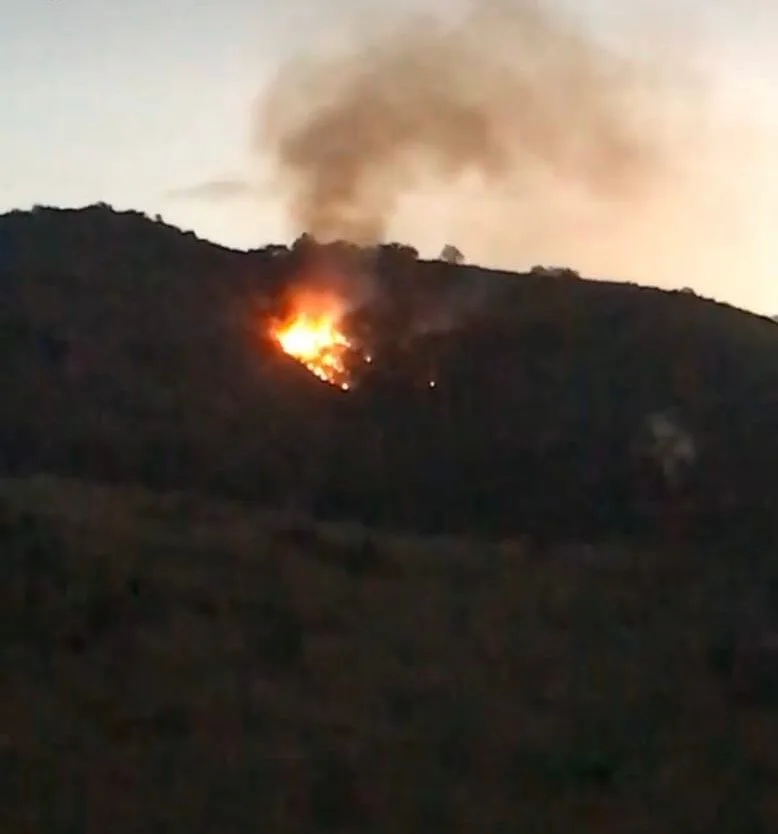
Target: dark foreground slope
171,664
133,352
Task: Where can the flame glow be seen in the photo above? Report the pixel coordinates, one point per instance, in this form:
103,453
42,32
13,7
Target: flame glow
311,335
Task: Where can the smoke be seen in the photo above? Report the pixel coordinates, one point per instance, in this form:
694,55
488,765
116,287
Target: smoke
515,98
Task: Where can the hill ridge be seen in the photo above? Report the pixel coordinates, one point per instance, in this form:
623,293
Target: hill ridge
136,351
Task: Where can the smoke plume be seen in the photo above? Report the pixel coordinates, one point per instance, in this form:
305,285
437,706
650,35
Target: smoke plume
511,97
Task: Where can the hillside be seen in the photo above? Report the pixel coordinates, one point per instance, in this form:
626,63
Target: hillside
177,664
133,352
127,354
454,596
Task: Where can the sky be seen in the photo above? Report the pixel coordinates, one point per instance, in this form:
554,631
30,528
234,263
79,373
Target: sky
136,104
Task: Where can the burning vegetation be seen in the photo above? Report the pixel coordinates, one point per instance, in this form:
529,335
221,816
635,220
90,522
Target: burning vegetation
311,333
346,313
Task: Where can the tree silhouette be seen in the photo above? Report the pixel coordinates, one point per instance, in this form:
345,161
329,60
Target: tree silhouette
451,255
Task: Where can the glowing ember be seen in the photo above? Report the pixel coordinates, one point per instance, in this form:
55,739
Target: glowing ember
311,336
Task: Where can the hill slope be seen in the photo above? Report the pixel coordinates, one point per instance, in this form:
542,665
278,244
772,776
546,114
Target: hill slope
133,352
184,665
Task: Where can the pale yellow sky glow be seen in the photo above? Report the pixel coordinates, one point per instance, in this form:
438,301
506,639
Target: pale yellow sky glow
130,103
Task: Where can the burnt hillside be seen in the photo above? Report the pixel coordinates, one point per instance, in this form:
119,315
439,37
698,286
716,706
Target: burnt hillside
132,351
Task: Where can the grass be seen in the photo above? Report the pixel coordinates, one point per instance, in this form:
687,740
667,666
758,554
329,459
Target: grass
175,665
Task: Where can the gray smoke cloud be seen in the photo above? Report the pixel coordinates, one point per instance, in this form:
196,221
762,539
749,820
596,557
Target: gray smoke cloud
513,95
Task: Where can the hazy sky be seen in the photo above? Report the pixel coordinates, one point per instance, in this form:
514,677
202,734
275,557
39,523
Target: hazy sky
126,102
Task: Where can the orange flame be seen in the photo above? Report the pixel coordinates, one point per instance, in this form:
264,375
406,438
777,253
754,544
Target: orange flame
311,335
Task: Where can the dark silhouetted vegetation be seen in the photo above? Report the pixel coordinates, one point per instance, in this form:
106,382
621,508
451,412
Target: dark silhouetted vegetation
235,598
179,663
133,352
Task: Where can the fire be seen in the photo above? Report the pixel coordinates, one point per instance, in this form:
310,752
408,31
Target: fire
311,335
